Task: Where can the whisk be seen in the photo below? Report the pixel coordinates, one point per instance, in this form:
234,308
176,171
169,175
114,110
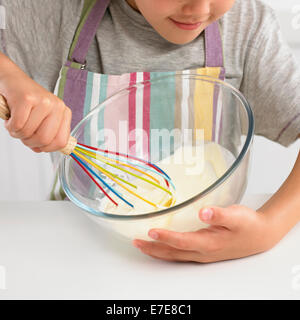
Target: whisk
122,165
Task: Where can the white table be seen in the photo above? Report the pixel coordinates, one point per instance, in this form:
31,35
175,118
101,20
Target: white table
51,250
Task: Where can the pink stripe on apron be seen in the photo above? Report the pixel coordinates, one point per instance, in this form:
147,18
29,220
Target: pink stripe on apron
132,113
117,125
146,116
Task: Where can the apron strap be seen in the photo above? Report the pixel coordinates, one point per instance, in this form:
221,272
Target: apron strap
213,46
92,14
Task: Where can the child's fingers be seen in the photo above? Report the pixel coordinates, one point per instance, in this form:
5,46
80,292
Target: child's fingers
41,137
201,240
217,216
37,115
18,117
37,150
63,135
45,133
165,252
175,239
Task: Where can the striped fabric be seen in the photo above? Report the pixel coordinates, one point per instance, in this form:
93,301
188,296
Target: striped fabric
182,104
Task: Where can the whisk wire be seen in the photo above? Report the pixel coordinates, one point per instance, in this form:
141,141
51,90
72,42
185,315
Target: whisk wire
86,169
113,179
149,166
124,170
104,159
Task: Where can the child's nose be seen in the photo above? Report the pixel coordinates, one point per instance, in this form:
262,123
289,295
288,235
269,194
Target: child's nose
197,8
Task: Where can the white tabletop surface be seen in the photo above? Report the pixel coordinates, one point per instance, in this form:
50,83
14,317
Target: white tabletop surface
51,250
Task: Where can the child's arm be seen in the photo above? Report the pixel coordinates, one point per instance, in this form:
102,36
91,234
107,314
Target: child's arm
235,232
40,119
284,207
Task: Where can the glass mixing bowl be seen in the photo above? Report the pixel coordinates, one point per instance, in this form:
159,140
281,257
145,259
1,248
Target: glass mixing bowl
184,111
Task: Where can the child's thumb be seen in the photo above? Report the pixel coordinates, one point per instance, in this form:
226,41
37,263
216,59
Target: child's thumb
218,216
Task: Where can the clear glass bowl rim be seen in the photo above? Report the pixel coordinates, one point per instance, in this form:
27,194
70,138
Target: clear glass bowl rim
198,196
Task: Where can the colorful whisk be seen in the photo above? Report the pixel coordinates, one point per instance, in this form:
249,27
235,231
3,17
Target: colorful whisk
96,162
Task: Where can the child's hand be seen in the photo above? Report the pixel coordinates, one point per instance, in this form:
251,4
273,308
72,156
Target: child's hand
40,119
234,232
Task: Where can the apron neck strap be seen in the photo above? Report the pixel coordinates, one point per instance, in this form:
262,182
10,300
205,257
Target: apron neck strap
213,46
92,14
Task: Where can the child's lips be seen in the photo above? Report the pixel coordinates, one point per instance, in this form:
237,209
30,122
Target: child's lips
186,25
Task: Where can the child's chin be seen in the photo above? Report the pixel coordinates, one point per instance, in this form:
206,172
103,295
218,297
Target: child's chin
181,41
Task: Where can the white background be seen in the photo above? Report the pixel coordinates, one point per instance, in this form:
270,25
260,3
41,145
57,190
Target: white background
25,175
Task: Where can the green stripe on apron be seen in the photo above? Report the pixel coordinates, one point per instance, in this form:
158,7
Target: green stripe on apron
87,7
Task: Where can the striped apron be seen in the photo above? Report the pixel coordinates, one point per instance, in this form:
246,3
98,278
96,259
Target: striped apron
82,90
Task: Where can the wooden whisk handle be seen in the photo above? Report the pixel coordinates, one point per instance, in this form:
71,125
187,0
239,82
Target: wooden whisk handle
5,115
4,111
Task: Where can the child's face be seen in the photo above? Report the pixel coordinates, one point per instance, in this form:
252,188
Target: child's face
181,21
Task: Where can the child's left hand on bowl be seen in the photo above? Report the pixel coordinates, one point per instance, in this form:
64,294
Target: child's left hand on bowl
234,232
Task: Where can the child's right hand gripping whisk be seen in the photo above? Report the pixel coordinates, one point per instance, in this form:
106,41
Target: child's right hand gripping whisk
98,163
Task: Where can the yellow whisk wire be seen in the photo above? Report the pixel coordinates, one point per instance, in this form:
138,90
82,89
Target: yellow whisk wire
119,178
112,178
104,160
93,155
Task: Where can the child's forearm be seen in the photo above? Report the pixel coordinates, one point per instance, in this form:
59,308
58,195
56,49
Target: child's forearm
283,208
7,66
8,70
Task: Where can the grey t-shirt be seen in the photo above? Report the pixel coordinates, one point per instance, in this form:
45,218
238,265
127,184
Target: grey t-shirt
258,62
